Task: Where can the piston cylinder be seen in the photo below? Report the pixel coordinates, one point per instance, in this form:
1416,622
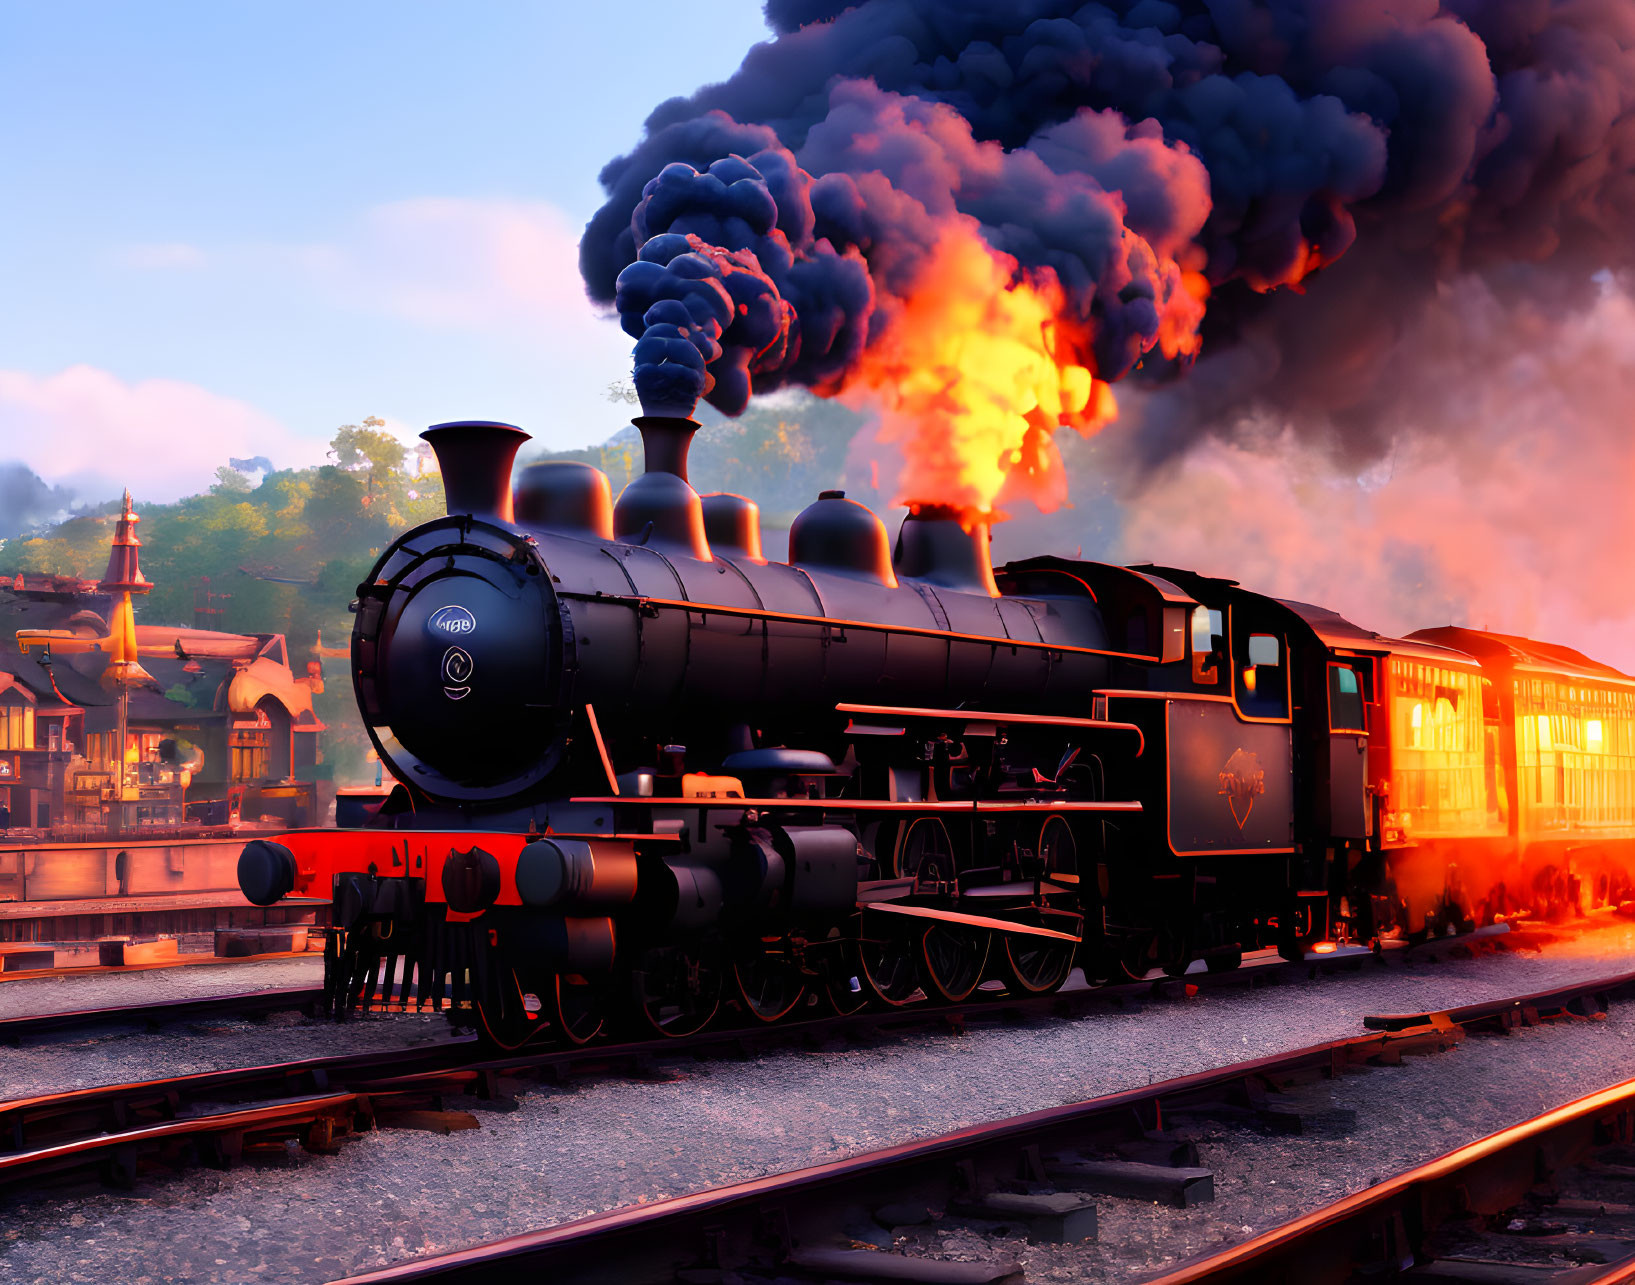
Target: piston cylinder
574,876
569,944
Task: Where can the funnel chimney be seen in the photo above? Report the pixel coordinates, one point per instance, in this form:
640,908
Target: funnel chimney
660,508
475,458
936,545
665,442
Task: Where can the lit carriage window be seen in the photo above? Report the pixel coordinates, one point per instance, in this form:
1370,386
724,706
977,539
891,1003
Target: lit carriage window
1446,722
1544,740
1592,736
1345,701
1416,722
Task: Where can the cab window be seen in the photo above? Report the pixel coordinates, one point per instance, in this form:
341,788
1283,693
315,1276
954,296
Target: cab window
1263,685
1345,700
1208,646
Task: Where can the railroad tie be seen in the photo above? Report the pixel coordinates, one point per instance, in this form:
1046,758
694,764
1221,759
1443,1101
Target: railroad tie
1058,1218
876,1265
1181,1187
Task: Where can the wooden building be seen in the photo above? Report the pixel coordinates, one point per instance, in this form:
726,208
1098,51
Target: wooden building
108,727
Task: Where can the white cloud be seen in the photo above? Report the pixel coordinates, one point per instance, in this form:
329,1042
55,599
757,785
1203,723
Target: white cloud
445,263
90,430
466,264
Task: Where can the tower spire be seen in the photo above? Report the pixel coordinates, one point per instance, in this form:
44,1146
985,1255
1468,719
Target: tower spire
124,573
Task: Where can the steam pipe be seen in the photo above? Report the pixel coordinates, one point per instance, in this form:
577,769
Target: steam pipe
475,457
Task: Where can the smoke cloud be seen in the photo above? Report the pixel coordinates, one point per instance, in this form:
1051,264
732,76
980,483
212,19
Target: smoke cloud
27,500
1502,502
1396,145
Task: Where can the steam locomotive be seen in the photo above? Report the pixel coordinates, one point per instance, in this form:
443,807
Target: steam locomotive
645,773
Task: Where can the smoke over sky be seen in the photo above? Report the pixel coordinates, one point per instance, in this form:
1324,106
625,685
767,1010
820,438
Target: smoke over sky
1394,144
1502,501
1405,390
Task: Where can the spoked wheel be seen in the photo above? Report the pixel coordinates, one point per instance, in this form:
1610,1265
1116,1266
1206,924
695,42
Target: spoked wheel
926,853
1057,848
514,1015
580,1008
953,957
1132,956
1035,965
887,959
769,983
1038,965
678,990
843,984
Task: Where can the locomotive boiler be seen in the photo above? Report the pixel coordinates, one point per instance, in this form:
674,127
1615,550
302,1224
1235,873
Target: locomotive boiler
645,771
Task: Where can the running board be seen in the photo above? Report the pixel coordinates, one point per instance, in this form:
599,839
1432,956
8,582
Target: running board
971,921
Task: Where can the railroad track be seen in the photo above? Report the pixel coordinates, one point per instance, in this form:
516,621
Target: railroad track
1265,969
110,1133
1544,1202
1039,1170
251,1004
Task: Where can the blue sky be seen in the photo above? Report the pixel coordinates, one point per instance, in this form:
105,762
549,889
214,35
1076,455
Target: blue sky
229,228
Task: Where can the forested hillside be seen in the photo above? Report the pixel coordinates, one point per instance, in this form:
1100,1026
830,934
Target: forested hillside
283,551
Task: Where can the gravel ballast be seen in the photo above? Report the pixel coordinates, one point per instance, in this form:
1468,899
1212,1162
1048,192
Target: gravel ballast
90,1058
571,1151
115,1053
66,993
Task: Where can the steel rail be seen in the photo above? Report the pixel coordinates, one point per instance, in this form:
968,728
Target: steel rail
216,1138
1385,1227
461,1065
250,1004
25,1122
780,1221
53,1119
1503,1014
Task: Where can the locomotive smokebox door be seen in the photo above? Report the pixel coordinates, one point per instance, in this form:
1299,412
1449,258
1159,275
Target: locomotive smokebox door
462,653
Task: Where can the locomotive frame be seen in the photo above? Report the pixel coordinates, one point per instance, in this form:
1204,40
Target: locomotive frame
644,771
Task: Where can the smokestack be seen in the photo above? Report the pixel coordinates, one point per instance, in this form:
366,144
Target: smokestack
660,508
947,547
666,440
475,458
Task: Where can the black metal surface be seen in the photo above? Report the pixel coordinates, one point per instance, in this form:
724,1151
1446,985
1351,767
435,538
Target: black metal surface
565,495
474,458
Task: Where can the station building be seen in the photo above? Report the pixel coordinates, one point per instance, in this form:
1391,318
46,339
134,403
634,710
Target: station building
110,728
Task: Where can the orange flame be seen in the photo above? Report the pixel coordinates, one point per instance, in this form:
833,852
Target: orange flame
979,370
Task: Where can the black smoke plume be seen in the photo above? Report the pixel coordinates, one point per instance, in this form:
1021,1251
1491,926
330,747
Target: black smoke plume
1323,164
